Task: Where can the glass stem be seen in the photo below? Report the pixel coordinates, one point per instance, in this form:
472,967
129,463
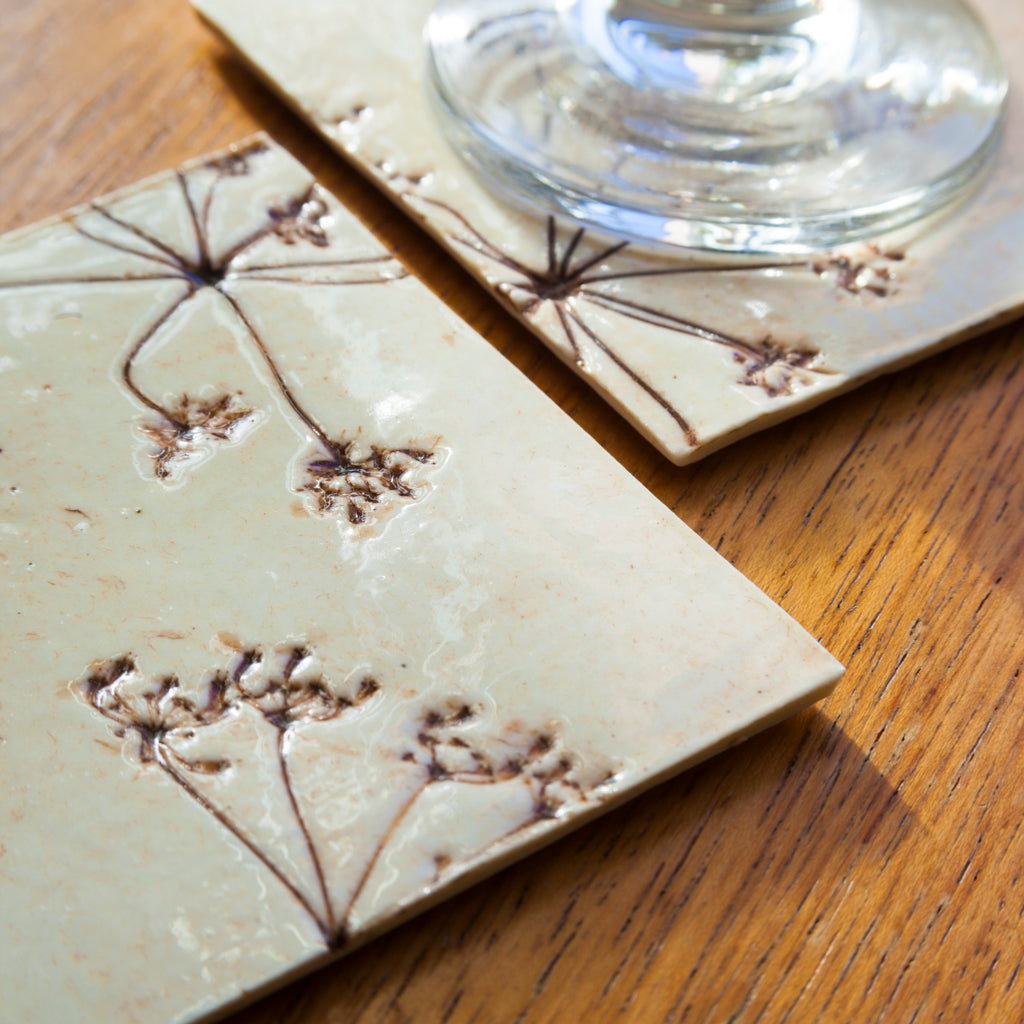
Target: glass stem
720,51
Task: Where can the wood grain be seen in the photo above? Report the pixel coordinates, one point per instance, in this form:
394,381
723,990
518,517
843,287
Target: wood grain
861,862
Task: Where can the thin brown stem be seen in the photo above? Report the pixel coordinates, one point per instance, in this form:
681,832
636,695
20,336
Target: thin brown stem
563,319
204,223
599,257
282,761
482,245
310,281
310,423
568,318
203,254
176,258
317,264
532,820
247,243
551,233
126,369
570,250
160,753
118,247
738,268
36,282
657,318
384,840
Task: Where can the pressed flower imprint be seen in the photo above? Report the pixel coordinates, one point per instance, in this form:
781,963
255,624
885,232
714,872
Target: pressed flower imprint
290,242
284,690
577,271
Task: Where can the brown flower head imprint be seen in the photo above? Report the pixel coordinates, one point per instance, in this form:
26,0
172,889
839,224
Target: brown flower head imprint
180,429
192,424
285,687
576,270
353,483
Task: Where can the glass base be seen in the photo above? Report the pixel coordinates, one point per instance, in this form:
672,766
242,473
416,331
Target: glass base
796,130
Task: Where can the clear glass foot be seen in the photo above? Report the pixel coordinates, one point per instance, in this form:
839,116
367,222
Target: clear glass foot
779,126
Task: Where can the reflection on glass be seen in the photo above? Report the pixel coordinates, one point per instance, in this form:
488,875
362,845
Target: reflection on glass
736,125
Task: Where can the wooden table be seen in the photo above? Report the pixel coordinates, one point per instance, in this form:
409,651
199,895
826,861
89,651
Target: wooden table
862,861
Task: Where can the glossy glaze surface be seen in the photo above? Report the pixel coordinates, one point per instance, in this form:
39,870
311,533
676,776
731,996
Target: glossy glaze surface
694,352
317,610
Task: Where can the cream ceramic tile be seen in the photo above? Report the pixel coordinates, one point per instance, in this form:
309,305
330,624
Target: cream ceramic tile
695,352
315,609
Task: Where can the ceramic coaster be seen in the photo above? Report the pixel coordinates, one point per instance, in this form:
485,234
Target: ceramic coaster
695,352
315,609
